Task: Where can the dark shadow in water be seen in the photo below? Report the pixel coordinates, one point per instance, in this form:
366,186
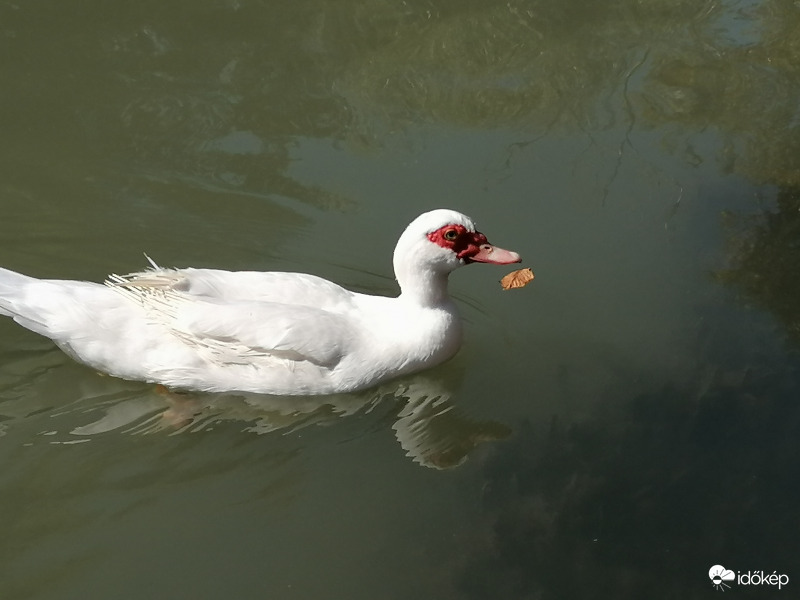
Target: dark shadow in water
641,499
764,254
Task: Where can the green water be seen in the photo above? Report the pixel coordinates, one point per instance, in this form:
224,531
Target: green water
611,431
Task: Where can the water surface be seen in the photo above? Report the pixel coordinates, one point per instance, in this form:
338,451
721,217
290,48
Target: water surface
611,431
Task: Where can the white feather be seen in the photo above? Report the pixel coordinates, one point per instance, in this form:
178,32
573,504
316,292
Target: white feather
274,332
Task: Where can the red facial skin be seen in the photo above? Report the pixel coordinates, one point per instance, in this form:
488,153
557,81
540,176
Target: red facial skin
471,246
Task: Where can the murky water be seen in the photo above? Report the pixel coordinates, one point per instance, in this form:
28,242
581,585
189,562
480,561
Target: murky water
613,430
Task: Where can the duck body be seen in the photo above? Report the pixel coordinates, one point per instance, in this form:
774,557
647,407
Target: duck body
263,332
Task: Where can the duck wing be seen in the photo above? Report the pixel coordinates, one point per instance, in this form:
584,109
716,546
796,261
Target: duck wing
228,328
298,289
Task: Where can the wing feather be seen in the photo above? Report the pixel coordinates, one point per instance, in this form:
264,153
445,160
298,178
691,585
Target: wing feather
226,330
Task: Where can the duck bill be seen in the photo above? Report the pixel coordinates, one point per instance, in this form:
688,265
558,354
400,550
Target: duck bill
494,255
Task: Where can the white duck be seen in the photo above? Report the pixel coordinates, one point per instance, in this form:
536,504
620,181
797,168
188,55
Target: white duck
271,333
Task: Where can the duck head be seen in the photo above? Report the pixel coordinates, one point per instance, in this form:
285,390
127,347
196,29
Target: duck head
435,244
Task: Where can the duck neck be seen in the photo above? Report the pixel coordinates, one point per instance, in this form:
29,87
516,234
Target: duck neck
426,288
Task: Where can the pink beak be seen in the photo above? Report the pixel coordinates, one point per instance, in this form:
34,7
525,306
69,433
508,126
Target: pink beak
494,255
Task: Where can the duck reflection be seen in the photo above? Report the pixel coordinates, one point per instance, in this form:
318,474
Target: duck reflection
427,425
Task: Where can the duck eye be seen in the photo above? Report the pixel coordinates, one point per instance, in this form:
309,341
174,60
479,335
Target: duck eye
450,234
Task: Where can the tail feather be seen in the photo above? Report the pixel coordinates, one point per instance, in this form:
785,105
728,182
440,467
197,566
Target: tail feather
11,286
84,319
13,293
56,308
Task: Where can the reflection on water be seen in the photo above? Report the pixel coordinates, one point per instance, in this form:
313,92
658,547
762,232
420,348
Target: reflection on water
428,426
220,113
